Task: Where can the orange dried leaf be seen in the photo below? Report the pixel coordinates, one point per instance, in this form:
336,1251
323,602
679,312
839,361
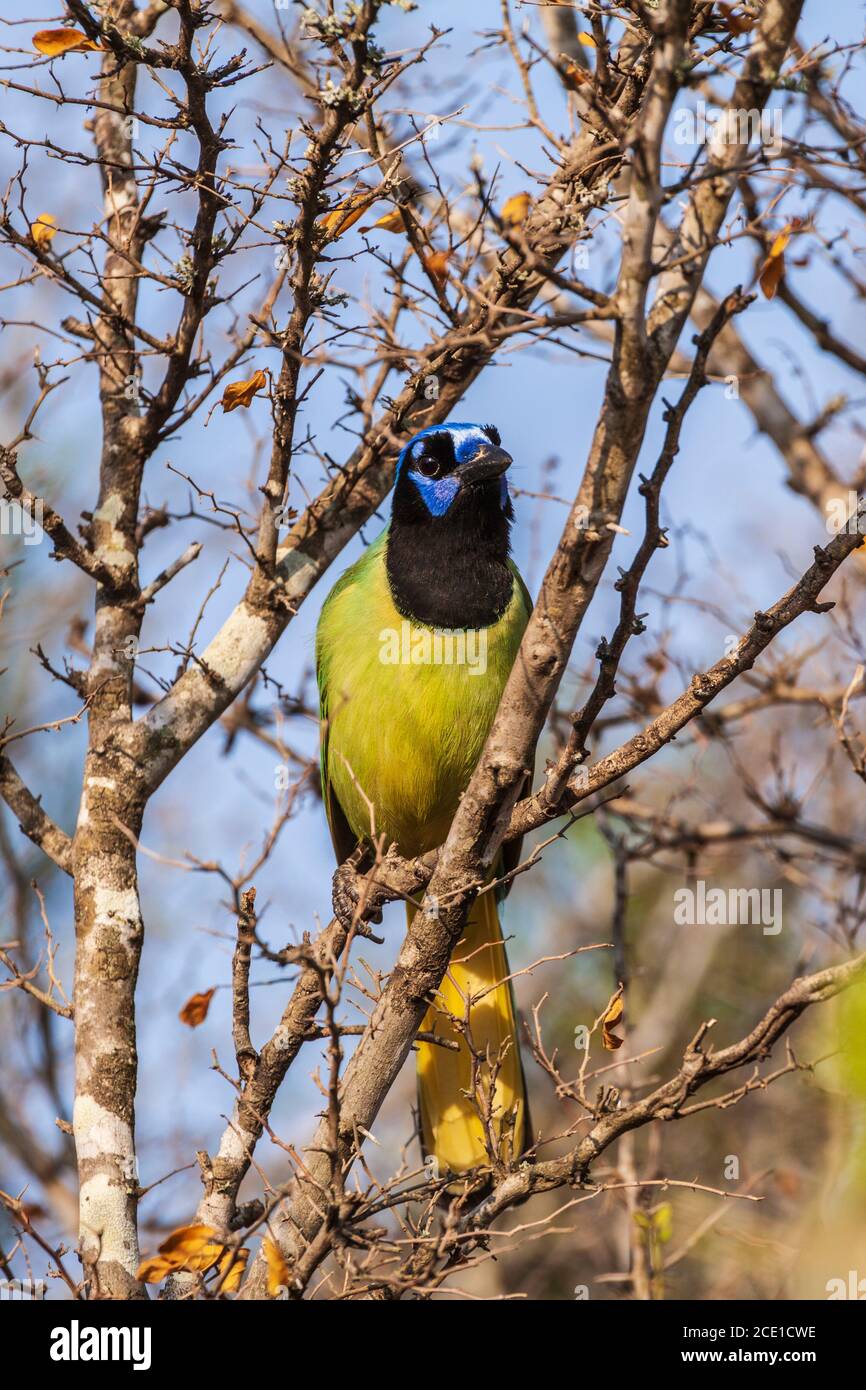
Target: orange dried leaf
587,40
611,1041
195,1009
576,76
437,264
515,209
733,22
391,222
241,393
773,269
55,42
614,1013
43,231
154,1270
780,244
771,274
192,1248
235,1261
278,1271
346,214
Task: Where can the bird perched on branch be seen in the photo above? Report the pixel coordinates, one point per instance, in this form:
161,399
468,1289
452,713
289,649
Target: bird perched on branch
414,646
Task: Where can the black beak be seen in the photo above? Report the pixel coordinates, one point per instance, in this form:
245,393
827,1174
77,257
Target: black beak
489,462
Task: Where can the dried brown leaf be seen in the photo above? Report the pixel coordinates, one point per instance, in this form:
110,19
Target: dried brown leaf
43,231
55,42
195,1009
437,264
242,392
278,1270
515,209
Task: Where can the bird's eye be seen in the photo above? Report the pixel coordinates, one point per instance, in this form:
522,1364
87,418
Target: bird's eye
428,465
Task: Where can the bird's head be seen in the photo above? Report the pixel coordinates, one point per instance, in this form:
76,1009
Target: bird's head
448,542
451,468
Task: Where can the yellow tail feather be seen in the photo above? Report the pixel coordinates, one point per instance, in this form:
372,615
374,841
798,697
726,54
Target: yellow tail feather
454,1123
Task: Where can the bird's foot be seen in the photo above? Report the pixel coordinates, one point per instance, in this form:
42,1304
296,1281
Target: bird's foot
355,906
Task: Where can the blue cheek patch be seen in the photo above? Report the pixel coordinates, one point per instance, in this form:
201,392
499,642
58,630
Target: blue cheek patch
436,493
439,493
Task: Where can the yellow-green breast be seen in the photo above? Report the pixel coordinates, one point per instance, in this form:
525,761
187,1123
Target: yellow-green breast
406,708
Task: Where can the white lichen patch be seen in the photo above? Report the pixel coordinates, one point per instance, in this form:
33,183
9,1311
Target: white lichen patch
281,1038
299,571
117,908
99,1132
409,955
119,198
107,1228
233,1147
111,510
112,544
238,646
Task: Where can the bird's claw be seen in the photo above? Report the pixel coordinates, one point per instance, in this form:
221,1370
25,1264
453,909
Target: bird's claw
353,906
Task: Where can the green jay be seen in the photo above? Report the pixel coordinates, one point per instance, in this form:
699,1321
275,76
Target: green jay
413,648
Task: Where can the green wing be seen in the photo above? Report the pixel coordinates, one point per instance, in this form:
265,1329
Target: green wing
524,592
